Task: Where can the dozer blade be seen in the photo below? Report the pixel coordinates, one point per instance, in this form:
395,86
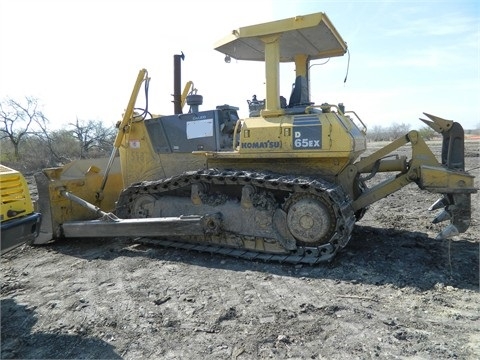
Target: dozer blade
43,206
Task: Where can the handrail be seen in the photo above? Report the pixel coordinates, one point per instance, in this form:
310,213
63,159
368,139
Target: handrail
358,118
328,106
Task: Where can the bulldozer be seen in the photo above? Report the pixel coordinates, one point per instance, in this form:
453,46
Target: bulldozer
287,183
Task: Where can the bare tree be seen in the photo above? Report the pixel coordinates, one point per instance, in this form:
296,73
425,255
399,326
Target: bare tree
427,133
377,133
92,135
60,144
54,147
396,130
392,132
18,120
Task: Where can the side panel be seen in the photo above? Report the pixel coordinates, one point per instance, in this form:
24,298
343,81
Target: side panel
184,133
314,135
162,147
318,144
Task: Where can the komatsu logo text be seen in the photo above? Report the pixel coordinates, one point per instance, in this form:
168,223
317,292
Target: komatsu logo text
261,145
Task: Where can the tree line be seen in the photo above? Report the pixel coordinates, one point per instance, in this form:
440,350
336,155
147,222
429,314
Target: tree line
395,130
27,142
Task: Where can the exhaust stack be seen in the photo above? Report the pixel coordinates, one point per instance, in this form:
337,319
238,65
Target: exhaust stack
177,83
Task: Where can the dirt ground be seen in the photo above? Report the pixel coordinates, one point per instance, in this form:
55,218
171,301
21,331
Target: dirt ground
393,293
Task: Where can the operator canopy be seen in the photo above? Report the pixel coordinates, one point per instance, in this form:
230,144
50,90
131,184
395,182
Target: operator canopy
312,35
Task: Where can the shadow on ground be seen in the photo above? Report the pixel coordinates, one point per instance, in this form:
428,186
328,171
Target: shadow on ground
19,342
373,256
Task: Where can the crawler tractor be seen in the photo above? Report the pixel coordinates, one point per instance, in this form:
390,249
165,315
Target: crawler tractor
286,184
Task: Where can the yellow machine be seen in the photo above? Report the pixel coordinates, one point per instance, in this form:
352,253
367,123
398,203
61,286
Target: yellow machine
285,184
19,222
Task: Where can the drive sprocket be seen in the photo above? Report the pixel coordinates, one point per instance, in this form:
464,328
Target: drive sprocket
310,219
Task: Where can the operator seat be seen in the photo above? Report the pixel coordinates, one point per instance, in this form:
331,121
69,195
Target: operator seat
299,94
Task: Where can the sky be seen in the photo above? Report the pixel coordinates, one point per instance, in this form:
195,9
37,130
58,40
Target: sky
80,58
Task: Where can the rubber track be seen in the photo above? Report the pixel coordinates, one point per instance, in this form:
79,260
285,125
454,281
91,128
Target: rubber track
303,255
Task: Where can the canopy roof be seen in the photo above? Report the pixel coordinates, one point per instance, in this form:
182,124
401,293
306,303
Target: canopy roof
312,35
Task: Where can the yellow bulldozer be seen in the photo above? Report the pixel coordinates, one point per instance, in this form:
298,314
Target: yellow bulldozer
285,184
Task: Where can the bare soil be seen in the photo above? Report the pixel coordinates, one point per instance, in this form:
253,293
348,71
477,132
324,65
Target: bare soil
393,293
